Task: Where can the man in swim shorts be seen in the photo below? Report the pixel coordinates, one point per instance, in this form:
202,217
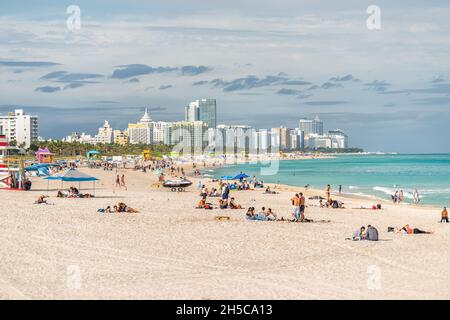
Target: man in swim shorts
296,207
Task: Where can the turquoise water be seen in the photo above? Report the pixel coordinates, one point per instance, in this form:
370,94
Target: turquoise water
378,175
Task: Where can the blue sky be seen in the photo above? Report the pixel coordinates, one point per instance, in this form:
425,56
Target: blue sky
267,63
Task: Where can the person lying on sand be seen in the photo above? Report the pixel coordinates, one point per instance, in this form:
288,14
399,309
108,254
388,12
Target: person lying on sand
408,230
41,200
268,191
202,204
122,207
233,205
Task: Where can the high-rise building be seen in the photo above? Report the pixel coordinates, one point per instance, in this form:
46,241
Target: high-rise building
188,136
158,131
202,110
230,139
141,132
311,126
19,127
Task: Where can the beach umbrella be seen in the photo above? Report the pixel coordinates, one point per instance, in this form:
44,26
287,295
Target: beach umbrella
241,176
72,175
227,177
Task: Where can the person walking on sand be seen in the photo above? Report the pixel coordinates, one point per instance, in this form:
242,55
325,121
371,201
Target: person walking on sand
122,182
116,184
328,192
400,196
340,189
296,207
444,215
416,197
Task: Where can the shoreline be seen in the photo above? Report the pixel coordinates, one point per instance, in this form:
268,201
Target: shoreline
294,188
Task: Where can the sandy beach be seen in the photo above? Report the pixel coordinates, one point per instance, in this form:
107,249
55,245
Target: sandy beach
170,250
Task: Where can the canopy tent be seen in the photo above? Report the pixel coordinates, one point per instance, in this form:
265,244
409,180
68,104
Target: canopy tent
91,153
241,176
41,168
72,175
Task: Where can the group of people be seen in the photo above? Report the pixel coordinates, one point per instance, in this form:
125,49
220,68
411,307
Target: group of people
397,197
73,193
370,233
298,207
119,208
263,215
120,182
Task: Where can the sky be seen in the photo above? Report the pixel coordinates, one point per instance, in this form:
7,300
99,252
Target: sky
268,64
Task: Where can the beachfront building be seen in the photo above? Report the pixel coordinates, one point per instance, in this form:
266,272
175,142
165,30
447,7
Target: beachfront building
297,139
309,126
231,139
263,141
202,110
141,132
339,139
315,141
19,127
120,137
104,135
159,129
187,136
281,138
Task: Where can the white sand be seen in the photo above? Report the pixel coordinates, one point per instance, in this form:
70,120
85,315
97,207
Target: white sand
172,251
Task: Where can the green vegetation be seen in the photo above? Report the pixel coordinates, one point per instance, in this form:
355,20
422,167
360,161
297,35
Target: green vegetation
328,150
73,149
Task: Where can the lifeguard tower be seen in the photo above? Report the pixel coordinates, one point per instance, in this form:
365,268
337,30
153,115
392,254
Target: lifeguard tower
44,156
147,155
11,169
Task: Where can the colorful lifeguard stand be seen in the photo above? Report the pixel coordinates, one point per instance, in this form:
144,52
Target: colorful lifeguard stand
44,156
11,169
147,155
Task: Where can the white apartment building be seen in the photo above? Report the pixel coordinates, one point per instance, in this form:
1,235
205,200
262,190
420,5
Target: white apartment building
19,127
159,129
104,135
141,132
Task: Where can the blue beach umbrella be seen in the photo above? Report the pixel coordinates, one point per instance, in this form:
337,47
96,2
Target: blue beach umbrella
241,176
227,177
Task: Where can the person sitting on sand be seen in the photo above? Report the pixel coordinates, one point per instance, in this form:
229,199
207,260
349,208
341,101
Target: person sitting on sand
41,200
250,213
223,204
321,203
371,233
359,234
233,205
444,215
270,215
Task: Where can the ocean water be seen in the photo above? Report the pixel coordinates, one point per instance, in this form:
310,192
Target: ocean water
378,175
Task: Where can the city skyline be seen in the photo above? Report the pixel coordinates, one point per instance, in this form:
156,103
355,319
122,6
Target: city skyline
269,64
